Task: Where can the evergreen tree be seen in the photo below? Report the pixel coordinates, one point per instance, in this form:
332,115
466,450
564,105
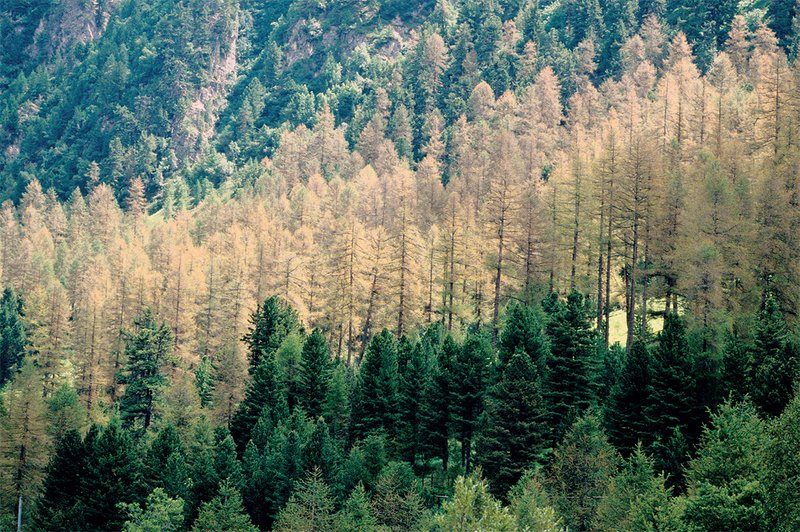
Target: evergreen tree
637,499
624,413
375,397
161,513
523,330
271,322
355,514
725,491
226,463
165,444
414,368
513,435
263,395
146,351
224,512
12,335
113,476
56,507
572,362
782,469
472,507
582,468
314,374
774,357
321,453
435,408
471,374
336,410
309,508
672,411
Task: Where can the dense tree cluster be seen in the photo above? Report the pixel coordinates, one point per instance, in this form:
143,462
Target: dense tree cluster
506,265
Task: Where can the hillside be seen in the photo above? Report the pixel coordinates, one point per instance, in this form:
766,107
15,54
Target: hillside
391,265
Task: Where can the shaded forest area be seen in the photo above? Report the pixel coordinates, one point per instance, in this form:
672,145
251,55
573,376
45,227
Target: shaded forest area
352,266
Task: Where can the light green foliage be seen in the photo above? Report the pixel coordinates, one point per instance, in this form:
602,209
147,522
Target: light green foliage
472,507
161,514
309,508
224,512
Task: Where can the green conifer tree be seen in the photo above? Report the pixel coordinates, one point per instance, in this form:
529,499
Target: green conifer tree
12,335
375,397
315,369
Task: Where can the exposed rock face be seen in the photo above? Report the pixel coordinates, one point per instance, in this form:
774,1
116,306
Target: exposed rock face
71,22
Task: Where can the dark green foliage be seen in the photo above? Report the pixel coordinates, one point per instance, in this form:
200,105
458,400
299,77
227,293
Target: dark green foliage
414,367
12,335
375,396
435,409
271,322
523,330
113,475
624,413
56,508
513,433
781,469
146,351
672,415
573,362
204,381
164,446
315,369
774,361
263,395
226,463
470,374
321,453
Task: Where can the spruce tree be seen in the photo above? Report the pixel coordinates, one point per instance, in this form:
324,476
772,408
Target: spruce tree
672,412
513,435
356,513
375,397
435,408
781,469
309,508
113,476
61,490
523,330
624,412
315,369
12,335
471,377
572,362
271,322
414,368
263,395
146,351
336,409
320,453
224,512
582,468
774,358
165,444
161,513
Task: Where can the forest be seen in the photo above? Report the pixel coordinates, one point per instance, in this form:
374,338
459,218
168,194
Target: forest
363,265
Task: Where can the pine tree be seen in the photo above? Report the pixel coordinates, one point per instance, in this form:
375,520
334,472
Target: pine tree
146,351
224,512
513,435
414,368
523,330
355,514
314,375
435,408
12,335
724,479
375,396
165,444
